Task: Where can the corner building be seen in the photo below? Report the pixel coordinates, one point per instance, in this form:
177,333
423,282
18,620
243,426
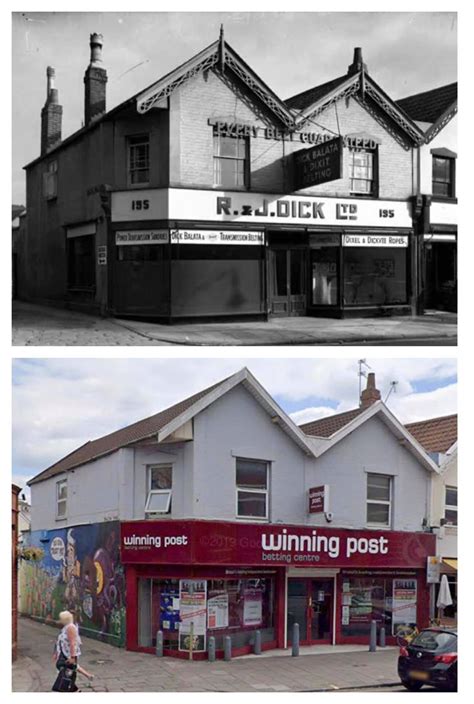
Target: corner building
206,195
180,519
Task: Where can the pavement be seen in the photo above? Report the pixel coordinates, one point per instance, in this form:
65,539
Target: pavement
118,670
42,325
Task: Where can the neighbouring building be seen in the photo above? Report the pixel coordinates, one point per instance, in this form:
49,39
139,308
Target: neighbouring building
435,112
221,511
15,491
18,233
439,437
206,195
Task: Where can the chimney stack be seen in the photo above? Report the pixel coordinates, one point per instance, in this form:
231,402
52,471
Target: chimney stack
95,79
51,115
357,63
370,394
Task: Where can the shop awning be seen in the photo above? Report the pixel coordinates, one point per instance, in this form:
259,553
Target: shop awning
453,564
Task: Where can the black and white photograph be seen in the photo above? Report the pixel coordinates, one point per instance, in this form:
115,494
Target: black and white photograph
177,180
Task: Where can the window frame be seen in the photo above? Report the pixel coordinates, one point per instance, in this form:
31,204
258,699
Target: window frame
452,176
145,137
50,177
373,193
450,507
250,490
379,502
61,516
152,492
246,161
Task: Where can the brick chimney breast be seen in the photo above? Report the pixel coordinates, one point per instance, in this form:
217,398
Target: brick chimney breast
51,115
95,79
370,394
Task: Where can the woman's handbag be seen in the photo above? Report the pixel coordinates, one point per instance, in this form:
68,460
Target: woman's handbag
66,679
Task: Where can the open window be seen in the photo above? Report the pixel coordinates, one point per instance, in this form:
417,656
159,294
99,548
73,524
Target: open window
252,489
160,483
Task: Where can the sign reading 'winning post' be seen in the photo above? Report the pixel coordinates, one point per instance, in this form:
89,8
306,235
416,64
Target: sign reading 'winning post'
319,164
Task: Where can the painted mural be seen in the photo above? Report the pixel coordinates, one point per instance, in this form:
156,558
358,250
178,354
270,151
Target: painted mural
81,572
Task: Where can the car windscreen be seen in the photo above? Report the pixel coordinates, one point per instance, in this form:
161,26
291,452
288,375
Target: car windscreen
435,640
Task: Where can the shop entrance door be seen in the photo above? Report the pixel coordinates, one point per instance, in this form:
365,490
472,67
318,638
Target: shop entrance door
310,604
288,281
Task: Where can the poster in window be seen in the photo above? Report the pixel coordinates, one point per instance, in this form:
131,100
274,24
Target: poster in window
403,603
169,611
345,616
193,610
252,607
218,611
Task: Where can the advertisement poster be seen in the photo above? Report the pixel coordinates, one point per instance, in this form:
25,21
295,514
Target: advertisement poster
252,607
218,611
403,603
345,616
193,610
169,611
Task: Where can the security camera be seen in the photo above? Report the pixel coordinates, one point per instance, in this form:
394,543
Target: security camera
329,516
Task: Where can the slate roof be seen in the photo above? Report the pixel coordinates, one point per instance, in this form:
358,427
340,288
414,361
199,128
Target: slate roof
435,434
431,104
142,429
308,97
325,427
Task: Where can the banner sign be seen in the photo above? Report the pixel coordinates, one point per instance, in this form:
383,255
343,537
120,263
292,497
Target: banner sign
253,544
217,237
192,613
141,237
375,240
237,207
318,499
319,164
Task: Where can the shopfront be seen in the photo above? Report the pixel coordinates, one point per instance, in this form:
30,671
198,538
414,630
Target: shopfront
441,268
181,253
195,579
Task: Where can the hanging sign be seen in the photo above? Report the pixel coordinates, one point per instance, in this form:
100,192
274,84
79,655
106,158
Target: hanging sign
433,569
124,237
216,237
318,498
319,164
192,612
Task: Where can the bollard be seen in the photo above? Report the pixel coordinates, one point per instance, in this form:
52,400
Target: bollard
382,637
295,646
257,644
159,644
227,648
211,649
373,637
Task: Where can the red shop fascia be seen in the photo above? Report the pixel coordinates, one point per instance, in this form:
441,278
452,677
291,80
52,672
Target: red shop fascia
218,550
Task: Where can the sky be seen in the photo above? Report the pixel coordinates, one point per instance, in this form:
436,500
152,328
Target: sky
58,404
406,53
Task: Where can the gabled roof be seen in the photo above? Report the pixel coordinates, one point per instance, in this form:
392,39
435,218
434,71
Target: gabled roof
327,426
312,95
436,434
431,104
161,425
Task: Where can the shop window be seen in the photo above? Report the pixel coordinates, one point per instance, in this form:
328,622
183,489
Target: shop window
324,275
252,489
139,160
443,176
375,276
140,253
50,181
61,498
362,167
451,505
231,161
379,499
81,262
160,479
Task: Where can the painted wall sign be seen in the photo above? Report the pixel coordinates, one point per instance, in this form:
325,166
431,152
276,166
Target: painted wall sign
226,543
262,208
217,237
319,164
318,499
375,241
133,237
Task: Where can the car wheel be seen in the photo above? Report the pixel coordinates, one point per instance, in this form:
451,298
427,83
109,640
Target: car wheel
412,686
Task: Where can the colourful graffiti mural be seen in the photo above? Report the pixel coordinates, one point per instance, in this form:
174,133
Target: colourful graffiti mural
80,571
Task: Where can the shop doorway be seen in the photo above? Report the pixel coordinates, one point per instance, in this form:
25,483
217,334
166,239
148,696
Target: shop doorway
441,276
310,604
288,281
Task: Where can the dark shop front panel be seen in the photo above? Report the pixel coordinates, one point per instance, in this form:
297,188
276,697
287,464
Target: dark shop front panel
216,280
141,280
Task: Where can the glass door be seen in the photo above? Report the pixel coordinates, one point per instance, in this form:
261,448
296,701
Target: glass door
297,608
321,610
288,281
310,604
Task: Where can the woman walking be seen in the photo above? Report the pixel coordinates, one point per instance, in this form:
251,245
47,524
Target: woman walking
68,650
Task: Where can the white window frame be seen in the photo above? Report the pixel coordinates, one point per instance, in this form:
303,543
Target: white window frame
60,517
249,490
145,137
450,507
380,501
152,492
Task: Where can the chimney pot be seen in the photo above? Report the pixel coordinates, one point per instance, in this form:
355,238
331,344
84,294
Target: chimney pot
357,62
95,80
370,394
96,43
51,114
